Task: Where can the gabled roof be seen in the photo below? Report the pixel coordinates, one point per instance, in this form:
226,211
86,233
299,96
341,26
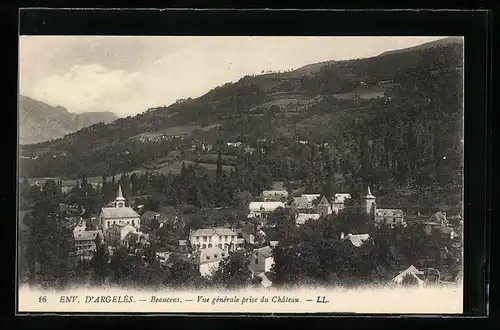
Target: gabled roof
410,270
303,217
265,206
265,251
208,255
323,201
212,231
118,213
357,240
150,215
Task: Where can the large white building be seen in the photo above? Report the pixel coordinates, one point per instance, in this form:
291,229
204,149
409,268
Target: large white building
208,260
205,238
119,213
262,209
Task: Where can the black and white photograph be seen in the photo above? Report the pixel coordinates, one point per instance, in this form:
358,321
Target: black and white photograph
240,173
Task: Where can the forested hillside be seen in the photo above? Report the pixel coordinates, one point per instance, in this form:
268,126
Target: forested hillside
394,121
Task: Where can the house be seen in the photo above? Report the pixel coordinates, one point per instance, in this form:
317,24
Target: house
356,240
323,207
207,260
261,260
302,218
119,213
389,217
81,226
234,144
412,271
116,234
447,232
224,238
311,198
273,243
85,242
301,205
148,217
274,195
262,209
338,201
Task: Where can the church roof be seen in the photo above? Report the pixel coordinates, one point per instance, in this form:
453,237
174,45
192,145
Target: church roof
118,213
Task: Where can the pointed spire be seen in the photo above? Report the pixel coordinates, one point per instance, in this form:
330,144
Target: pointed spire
369,193
119,196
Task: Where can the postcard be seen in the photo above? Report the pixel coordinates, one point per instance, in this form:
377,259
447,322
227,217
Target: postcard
242,174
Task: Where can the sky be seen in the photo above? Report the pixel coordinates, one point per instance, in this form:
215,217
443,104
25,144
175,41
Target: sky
128,75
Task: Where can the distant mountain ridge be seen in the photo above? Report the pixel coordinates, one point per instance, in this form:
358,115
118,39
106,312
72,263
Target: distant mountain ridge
39,122
384,118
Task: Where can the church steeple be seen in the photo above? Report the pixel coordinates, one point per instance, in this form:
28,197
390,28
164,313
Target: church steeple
369,200
119,200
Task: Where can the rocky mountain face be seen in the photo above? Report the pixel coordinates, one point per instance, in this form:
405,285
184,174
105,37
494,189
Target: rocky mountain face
39,122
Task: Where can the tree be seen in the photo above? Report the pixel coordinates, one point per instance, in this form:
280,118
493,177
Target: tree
99,261
233,271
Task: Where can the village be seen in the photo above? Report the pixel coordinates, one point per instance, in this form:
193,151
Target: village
118,225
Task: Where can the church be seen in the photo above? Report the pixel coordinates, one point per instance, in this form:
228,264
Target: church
119,213
390,217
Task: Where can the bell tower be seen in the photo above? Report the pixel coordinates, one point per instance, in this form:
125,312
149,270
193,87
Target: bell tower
369,201
119,200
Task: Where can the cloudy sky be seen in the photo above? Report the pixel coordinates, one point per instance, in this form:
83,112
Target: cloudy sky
127,75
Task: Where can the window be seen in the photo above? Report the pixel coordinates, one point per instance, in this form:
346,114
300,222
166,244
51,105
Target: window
220,245
133,222
204,238
209,238
256,261
225,238
197,238
209,245
204,246
215,256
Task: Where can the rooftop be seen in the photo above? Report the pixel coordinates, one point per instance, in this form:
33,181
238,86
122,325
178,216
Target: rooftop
303,217
265,206
265,251
213,231
119,213
389,212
